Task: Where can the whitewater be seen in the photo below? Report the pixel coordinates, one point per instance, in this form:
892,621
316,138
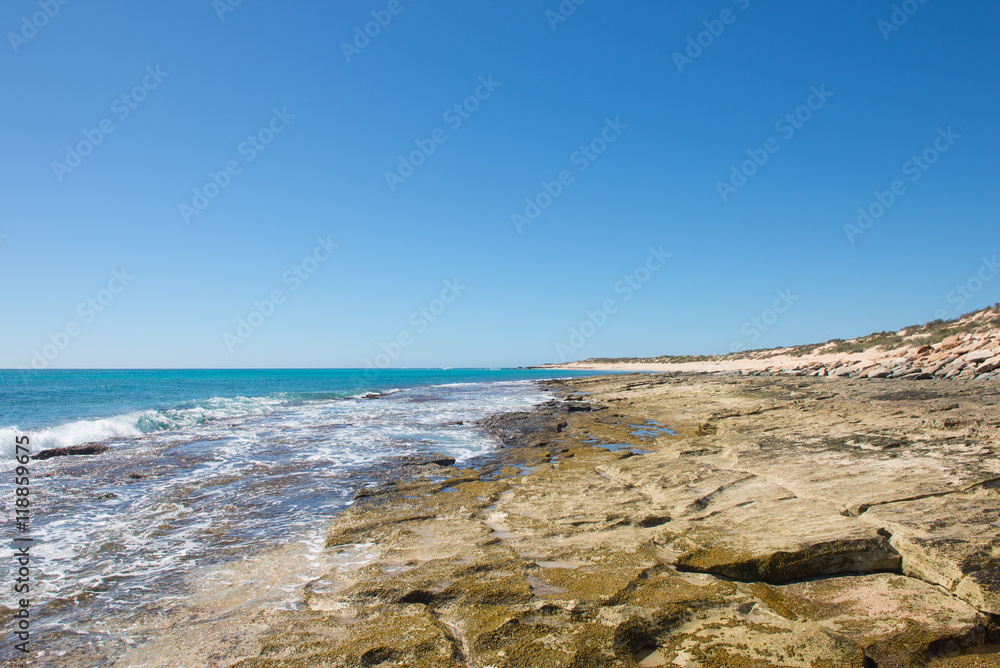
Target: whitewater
191,483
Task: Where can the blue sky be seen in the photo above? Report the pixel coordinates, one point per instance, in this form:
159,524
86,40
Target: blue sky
202,84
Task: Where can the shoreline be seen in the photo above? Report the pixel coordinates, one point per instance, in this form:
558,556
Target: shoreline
136,530
685,520
968,355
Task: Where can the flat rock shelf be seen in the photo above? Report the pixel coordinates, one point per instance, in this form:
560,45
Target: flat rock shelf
668,520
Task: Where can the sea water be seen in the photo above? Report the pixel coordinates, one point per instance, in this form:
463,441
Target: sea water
206,468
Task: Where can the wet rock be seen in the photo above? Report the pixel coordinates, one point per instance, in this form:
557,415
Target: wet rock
524,428
441,461
72,451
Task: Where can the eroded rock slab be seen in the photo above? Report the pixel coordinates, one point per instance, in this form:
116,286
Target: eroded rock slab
949,539
783,521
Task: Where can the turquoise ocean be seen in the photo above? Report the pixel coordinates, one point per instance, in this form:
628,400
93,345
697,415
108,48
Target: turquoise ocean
209,467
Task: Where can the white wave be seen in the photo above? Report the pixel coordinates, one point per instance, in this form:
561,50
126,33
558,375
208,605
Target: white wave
489,386
138,424
267,457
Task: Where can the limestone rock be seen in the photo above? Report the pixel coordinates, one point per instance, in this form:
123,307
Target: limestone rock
979,356
982,590
786,522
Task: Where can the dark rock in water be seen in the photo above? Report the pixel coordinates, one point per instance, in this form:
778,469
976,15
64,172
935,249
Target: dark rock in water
441,461
534,428
367,492
89,449
521,428
454,423
107,496
374,395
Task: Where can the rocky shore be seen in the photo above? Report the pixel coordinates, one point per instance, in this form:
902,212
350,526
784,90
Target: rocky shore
675,520
973,356
967,348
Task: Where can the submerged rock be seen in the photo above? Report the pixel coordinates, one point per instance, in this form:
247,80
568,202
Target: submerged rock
72,451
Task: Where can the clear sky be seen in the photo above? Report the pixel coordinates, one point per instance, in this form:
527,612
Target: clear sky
334,171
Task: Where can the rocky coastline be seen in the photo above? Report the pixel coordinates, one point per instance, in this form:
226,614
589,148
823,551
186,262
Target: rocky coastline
965,348
678,520
968,356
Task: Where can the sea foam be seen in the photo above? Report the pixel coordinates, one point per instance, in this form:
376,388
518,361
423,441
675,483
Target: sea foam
140,423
